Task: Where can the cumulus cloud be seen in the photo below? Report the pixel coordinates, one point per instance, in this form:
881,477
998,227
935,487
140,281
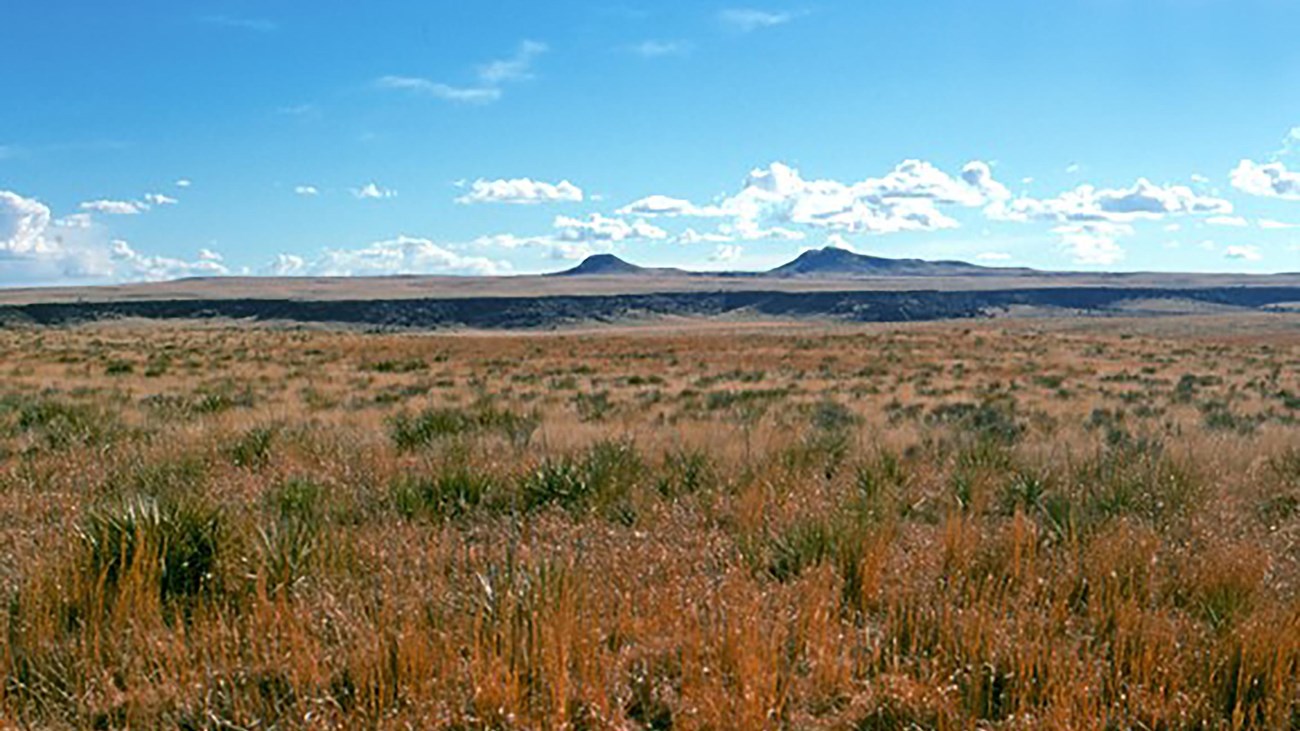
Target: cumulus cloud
115,208
306,190
372,191
1243,253
521,191
184,183
979,176
903,200
23,225
131,265
1145,200
402,255
597,227
775,200
746,20
1273,180
37,249
726,253
1094,243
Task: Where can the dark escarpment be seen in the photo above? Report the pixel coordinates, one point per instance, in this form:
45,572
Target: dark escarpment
549,311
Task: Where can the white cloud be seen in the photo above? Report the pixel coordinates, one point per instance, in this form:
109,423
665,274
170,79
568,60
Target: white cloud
1270,225
307,190
402,255
23,224
35,249
1145,200
287,265
1290,143
76,220
603,228
131,265
1269,181
691,236
552,247
184,183
750,231
903,200
438,90
1094,243
115,208
521,191
1243,253
978,175
491,76
727,253
372,191
776,198
662,205
1228,221
747,20
159,199
573,251
659,49
516,68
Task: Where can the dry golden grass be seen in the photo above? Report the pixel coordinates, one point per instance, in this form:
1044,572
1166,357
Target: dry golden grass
1008,525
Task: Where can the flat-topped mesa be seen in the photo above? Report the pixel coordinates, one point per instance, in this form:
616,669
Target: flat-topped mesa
836,262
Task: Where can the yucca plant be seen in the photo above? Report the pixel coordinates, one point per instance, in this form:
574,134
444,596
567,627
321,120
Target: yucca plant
184,540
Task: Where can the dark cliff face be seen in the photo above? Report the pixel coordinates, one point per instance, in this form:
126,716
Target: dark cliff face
540,312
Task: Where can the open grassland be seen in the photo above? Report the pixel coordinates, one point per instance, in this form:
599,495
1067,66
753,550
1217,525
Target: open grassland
1005,525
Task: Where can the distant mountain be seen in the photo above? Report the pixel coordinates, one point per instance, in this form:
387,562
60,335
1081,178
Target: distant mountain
835,262
610,265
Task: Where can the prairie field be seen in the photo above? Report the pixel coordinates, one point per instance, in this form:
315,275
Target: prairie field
1026,524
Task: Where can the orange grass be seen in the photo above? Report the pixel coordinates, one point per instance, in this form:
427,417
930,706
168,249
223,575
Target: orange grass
946,526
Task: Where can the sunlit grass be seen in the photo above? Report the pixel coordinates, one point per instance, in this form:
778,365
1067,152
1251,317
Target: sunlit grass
937,527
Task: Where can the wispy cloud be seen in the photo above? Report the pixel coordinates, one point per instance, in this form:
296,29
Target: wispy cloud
257,25
659,49
115,208
438,90
1243,253
746,20
518,67
491,76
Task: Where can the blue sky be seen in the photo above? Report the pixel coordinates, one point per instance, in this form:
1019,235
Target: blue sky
150,139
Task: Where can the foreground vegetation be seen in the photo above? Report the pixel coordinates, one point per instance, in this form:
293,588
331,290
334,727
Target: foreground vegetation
948,526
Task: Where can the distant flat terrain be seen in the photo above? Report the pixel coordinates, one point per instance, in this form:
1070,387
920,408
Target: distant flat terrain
828,283
444,287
